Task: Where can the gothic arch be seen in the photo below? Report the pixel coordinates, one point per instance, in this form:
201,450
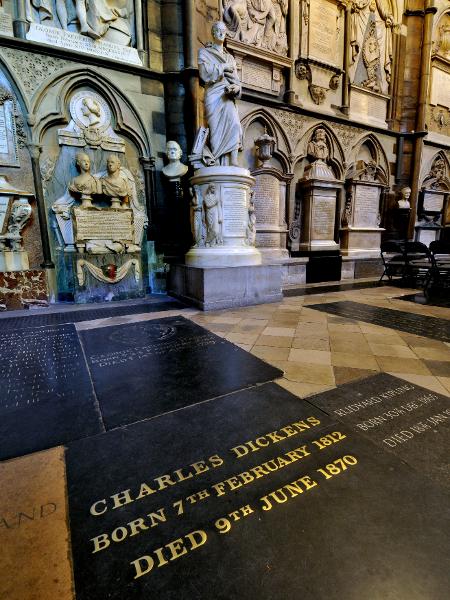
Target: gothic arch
16,86
378,155
125,117
432,178
337,157
275,129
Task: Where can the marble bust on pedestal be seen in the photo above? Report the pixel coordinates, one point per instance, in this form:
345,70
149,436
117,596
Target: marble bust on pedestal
405,195
115,184
175,169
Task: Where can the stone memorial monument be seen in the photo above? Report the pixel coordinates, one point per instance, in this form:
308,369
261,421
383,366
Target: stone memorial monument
222,211
361,231
15,212
433,198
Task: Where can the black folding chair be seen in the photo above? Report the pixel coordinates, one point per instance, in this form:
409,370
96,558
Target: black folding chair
418,263
393,260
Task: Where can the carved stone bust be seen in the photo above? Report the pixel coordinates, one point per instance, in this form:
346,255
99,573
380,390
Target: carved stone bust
405,195
318,146
175,169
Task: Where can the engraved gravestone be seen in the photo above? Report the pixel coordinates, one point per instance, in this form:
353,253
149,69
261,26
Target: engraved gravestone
163,365
47,397
410,421
432,327
253,495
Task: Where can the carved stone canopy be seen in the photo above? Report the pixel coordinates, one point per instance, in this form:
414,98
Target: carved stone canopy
437,178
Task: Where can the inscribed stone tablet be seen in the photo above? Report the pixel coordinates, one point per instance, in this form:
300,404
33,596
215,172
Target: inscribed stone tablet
254,495
9,156
235,211
47,397
323,215
105,224
4,211
433,202
163,365
267,200
322,31
367,206
411,422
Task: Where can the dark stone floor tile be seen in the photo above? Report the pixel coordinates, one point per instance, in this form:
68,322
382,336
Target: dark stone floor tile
410,421
145,369
46,395
254,495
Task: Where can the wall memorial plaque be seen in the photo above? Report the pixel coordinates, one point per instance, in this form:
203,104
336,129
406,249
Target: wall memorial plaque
47,396
323,215
93,224
9,151
437,329
433,201
4,213
411,422
367,206
235,211
322,33
163,365
253,495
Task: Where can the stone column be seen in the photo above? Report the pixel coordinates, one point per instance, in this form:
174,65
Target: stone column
148,164
289,95
35,151
20,24
346,66
139,23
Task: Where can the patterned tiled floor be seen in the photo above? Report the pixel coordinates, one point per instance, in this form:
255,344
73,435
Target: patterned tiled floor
318,351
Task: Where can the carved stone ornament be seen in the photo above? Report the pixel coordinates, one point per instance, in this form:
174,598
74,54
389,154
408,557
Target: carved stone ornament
259,23
437,178
265,146
372,59
90,124
109,273
318,93
442,45
15,212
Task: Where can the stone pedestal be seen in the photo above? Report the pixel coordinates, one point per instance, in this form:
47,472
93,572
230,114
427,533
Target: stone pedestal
319,209
225,287
361,234
13,261
222,233
270,209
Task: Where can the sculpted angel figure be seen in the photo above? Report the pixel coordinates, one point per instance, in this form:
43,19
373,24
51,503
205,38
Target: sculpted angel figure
213,216
217,69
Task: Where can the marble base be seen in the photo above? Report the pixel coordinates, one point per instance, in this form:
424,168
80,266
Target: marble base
223,256
217,288
13,261
361,242
233,186
360,268
294,271
17,287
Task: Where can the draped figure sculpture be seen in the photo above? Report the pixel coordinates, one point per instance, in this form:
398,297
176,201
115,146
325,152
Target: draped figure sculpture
218,72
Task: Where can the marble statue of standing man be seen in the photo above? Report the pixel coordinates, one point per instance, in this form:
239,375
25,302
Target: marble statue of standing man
217,70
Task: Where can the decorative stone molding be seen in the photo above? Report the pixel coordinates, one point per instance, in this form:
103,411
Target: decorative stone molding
108,273
32,69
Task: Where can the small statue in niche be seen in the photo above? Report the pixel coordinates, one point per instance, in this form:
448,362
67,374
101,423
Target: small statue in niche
405,195
85,184
213,217
318,147
197,216
175,169
115,184
251,228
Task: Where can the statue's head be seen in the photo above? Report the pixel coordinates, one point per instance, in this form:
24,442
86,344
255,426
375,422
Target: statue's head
112,164
438,169
90,106
405,193
83,161
320,135
173,151
219,31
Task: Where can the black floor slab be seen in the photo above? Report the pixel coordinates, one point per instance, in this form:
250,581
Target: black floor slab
436,300
432,327
46,396
149,368
326,289
410,421
207,503
90,314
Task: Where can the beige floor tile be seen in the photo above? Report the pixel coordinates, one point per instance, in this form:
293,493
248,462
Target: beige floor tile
350,344
279,331
249,329
391,339
343,328
426,381
309,315
445,381
419,341
392,364
242,338
274,340
347,374
392,350
302,390
246,347
311,343
269,353
311,329
253,322
355,361
317,357
34,555
310,373
225,320
442,354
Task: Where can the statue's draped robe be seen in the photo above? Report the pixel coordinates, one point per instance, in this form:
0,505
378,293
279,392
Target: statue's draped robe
98,13
225,132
